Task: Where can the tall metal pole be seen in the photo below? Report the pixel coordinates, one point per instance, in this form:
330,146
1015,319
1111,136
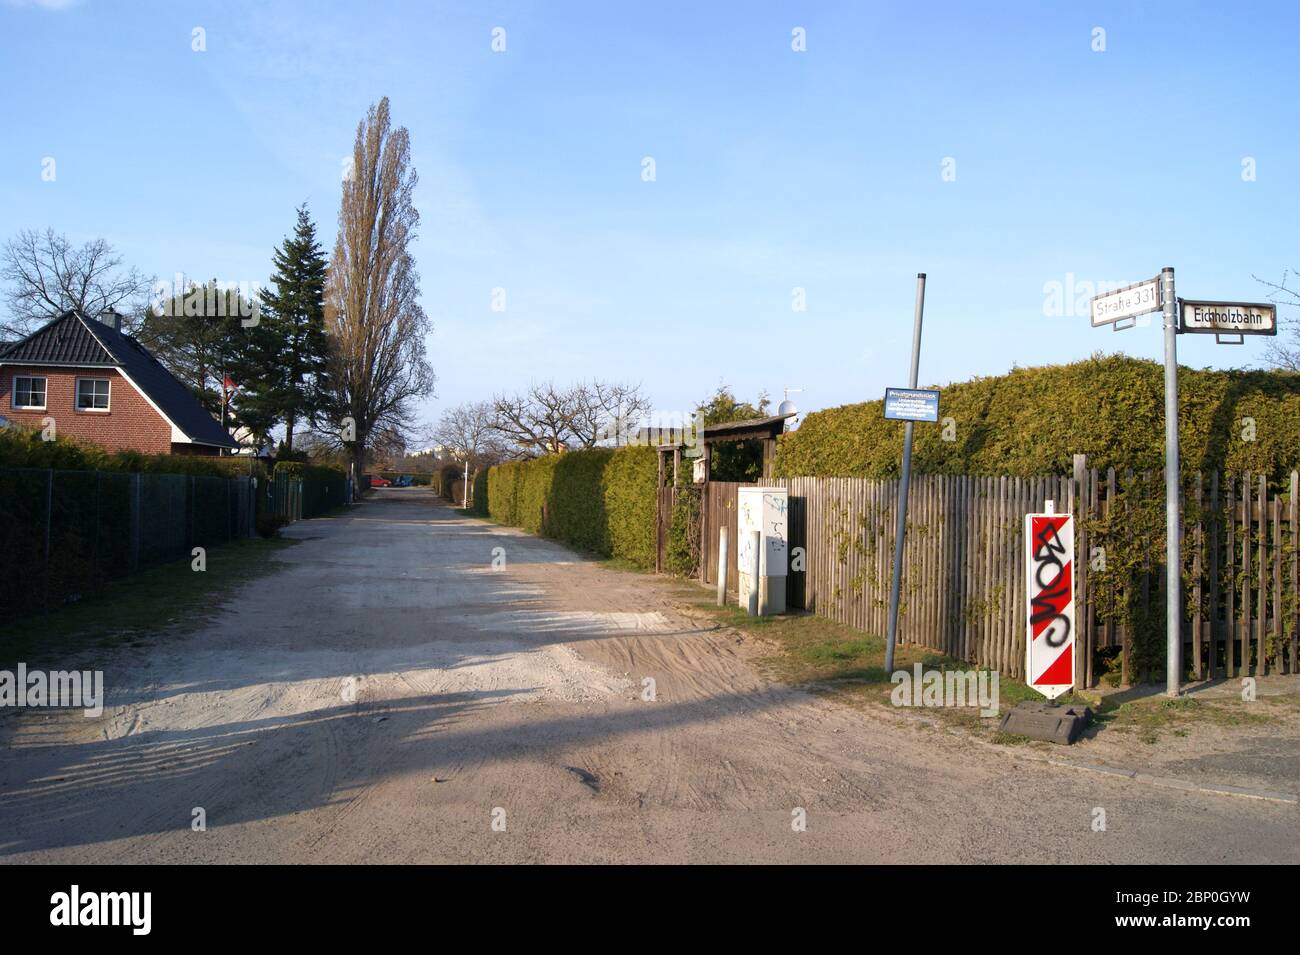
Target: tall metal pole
904,483
1173,566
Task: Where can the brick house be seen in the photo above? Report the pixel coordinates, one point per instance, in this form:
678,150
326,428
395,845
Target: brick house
101,386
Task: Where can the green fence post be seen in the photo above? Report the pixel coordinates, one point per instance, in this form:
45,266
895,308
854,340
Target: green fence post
49,517
134,529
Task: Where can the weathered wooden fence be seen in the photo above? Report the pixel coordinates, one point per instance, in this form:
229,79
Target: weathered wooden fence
963,588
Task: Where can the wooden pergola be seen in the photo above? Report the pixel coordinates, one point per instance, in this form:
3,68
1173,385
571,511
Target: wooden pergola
766,430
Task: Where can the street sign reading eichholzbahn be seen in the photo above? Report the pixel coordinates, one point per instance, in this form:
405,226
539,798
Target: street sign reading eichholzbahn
1227,318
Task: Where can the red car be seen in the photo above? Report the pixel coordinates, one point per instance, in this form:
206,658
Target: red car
376,481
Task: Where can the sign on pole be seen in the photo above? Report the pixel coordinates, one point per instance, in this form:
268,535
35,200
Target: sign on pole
911,404
1228,318
1120,309
1049,576
1125,303
905,481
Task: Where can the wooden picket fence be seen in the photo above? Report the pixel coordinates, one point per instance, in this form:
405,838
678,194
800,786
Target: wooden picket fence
963,592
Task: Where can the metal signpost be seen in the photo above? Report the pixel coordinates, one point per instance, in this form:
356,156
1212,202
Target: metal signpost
1173,515
906,477
1120,308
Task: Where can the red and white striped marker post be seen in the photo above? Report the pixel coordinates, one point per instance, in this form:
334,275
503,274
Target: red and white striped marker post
1049,575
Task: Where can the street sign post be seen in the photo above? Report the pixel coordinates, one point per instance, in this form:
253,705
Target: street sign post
1049,576
1124,305
1173,509
911,404
1198,317
905,479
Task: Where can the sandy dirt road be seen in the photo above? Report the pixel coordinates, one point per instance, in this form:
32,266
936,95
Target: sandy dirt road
387,695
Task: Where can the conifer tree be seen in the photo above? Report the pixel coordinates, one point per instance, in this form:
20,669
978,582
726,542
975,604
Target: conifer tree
287,349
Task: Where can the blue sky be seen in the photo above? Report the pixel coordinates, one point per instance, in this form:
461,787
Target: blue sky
775,170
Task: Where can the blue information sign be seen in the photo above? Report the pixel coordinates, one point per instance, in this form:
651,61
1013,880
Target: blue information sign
911,404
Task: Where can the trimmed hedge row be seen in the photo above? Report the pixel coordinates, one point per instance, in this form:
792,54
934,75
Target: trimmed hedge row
479,504
24,448
315,472
1033,420
600,500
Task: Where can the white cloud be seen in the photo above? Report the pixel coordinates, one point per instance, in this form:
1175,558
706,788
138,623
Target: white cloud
52,5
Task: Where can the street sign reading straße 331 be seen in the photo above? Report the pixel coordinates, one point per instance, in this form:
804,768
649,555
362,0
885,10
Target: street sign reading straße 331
1232,318
1127,302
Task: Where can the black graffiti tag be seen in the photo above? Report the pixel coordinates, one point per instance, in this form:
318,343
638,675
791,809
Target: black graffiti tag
1049,575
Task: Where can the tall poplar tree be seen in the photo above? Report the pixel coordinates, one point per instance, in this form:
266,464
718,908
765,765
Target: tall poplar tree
373,317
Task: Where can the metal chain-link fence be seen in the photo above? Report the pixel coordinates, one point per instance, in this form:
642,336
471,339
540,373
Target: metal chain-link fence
64,533
297,498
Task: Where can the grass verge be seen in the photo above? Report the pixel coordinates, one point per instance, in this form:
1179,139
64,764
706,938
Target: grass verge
132,611
1149,719
834,659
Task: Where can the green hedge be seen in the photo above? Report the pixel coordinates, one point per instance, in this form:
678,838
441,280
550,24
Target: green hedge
600,500
479,504
322,489
318,472
24,448
1033,420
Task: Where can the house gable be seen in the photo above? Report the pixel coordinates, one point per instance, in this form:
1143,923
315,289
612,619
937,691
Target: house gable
74,341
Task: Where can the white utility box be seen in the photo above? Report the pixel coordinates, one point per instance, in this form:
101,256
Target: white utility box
765,510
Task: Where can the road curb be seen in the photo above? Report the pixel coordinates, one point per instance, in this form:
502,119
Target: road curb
1171,782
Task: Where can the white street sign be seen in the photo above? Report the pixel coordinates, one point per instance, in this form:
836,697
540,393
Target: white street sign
1232,318
1049,580
1128,302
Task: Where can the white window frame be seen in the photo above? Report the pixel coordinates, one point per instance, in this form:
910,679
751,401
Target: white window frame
76,395
45,390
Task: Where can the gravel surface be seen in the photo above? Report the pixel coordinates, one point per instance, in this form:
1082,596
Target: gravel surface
388,696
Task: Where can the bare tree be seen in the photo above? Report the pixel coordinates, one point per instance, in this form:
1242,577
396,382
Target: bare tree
373,319
546,419
469,431
46,276
537,421
600,408
1284,352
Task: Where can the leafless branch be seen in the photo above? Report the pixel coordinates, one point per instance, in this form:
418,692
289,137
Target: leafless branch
45,276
